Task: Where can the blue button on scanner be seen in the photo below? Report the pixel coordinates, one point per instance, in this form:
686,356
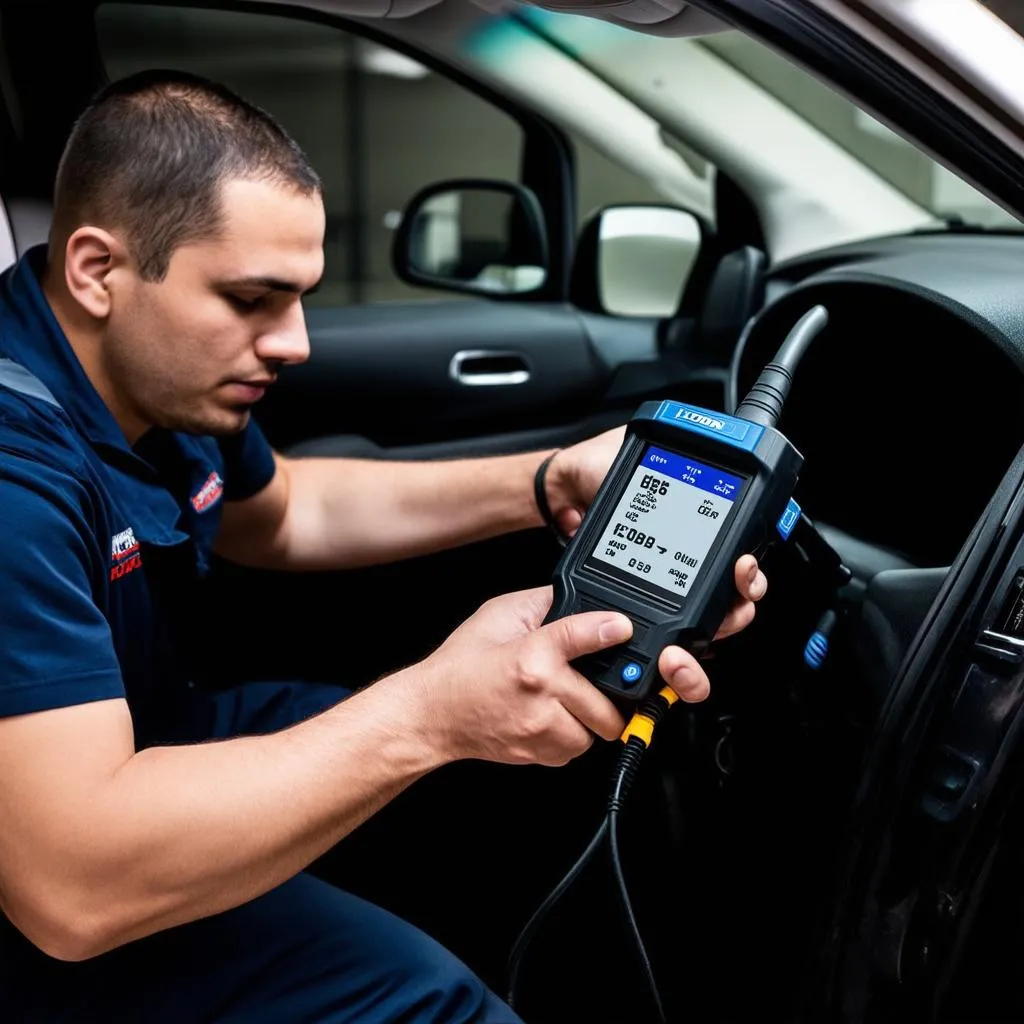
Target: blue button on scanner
631,672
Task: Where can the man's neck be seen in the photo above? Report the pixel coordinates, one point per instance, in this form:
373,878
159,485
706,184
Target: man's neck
85,337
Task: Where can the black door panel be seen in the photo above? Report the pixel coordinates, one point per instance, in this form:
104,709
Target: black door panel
381,380
356,446
386,372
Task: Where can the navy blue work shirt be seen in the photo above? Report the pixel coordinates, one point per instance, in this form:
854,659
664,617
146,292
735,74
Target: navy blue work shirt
101,541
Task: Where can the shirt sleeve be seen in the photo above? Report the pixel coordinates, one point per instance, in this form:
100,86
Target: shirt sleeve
248,462
57,646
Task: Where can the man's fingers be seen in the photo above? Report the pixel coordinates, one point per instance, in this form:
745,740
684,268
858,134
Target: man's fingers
577,635
740,616
684,674
581,634
569,521
750,581
588,632
591,707
535,604
752,585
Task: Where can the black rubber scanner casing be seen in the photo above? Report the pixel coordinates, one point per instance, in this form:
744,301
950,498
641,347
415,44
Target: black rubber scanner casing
763,511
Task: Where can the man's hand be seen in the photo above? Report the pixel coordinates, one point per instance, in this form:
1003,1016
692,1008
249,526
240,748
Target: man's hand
576,473
680,669
501,687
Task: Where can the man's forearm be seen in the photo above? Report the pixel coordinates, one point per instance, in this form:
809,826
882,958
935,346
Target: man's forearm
346,513
179,833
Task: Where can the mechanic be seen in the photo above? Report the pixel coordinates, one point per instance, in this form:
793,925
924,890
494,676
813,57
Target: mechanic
146,873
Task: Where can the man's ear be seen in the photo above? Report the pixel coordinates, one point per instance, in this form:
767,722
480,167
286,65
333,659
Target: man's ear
93,259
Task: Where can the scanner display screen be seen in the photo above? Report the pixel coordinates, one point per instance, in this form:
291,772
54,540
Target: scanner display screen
667,520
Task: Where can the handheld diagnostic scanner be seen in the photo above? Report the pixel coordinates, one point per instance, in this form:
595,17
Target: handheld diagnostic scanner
688,493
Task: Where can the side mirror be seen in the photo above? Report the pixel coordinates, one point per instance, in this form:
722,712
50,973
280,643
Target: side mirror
636,260
476,236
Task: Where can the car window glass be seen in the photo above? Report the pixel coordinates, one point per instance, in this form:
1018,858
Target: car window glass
377,125
727,85
601,182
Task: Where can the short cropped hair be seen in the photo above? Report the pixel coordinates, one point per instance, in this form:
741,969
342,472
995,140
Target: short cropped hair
150,153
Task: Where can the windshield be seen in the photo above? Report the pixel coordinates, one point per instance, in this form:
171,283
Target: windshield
653,72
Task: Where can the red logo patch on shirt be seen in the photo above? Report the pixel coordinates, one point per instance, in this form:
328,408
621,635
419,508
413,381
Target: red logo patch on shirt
124,554
209,494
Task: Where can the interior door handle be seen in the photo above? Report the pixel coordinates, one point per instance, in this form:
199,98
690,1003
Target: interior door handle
488,367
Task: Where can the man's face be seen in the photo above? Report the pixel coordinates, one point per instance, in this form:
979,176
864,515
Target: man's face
195,351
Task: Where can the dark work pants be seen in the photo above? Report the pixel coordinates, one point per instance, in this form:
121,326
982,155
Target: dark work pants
304,952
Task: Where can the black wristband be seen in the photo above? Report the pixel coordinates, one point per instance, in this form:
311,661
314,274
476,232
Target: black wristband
541,498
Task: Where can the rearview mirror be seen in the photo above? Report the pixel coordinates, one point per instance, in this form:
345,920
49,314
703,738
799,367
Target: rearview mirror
636,260
481,237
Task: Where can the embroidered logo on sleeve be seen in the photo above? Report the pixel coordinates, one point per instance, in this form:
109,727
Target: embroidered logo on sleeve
124,554
209,494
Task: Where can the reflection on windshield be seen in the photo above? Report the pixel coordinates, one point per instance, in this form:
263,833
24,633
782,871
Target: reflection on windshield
604,49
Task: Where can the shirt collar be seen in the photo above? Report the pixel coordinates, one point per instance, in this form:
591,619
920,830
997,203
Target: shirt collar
30,335
41,346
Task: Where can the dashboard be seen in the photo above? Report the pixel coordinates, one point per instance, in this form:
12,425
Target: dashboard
909,406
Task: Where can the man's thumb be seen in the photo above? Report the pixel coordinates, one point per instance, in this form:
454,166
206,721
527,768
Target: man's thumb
589,632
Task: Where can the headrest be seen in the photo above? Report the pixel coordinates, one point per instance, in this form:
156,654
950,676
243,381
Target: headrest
29,221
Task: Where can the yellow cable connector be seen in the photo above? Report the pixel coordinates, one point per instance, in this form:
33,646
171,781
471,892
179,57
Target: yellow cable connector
668,695
641,725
